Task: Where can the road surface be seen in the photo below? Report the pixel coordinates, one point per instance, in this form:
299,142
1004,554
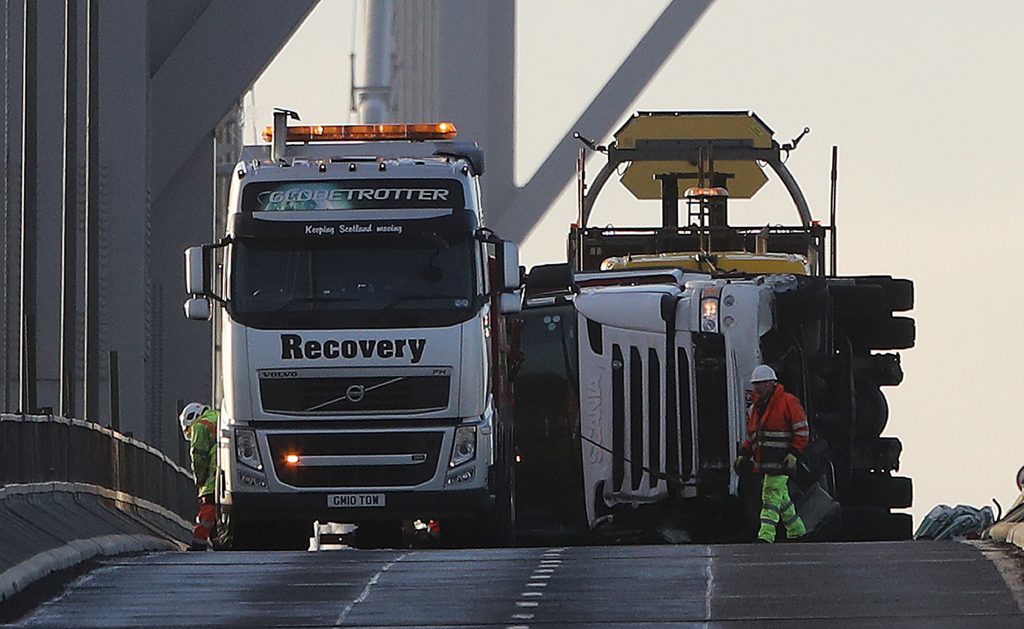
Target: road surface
910,584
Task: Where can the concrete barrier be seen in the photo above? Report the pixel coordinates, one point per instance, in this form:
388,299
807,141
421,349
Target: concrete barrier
72,490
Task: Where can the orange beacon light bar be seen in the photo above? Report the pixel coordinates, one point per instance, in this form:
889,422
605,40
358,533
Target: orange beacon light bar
367,132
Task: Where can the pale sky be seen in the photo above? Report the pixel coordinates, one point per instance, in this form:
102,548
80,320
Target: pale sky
924,99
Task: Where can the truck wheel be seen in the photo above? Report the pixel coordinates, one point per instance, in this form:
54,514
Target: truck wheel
235,533
899,293
851,302
879,490
873,524
891,333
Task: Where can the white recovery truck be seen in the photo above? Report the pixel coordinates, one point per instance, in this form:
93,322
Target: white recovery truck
360,361
632,380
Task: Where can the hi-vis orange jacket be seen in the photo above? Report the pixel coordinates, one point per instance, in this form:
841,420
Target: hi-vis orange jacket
779,429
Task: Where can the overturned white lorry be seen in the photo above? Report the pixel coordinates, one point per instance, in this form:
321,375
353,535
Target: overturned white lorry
632,380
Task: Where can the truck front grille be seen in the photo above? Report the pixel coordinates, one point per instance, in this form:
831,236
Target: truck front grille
424,447
351,394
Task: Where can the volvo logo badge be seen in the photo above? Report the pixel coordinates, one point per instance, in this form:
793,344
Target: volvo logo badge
355,393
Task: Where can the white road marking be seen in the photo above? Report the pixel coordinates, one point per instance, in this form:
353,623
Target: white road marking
710,587
549,562
366,591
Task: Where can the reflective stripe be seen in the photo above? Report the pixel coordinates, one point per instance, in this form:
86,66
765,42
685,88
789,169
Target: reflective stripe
769,522
785,507
775,444
791,521
769,507
777,433
800,424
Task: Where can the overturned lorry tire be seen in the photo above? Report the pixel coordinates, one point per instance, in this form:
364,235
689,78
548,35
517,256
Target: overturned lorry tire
874,524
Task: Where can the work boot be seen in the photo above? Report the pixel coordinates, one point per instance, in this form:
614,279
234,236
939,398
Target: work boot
199,545
796,530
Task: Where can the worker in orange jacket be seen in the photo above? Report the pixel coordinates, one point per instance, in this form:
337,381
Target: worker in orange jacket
777,433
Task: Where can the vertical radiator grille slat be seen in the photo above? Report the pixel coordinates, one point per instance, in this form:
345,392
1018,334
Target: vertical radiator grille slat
654,415
618,417
636,418
684,415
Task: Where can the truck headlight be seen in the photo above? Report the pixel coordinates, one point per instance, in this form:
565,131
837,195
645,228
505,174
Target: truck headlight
709,310
246,450
464,448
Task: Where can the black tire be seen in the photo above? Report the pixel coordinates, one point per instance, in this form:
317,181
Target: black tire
899,293
900,527
879,490
892,333
859,302
873,524
809,302
236,532
503,517
886,369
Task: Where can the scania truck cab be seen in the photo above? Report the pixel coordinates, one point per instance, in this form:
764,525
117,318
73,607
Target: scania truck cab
360,335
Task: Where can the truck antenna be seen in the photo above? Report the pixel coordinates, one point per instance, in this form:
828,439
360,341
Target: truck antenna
832,205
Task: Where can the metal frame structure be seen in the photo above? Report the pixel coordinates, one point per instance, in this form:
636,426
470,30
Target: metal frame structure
694,151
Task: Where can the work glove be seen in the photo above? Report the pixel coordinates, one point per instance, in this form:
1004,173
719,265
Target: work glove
789,462
742,463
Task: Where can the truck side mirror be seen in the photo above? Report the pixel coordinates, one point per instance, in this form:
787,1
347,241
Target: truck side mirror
511,275
510,303
196,282
197,309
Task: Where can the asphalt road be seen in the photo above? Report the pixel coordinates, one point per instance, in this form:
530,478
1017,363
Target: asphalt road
910,584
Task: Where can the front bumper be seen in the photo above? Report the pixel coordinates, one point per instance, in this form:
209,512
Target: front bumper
400,505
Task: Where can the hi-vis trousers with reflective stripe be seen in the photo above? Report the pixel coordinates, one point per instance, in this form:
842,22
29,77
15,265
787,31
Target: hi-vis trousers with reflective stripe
205,520
775,503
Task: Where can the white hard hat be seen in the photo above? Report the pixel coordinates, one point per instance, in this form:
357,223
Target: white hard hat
191,412
763,373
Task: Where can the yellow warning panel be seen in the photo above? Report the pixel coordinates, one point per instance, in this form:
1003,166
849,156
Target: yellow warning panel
694,125
746,176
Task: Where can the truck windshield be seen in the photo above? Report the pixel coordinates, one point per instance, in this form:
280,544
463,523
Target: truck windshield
421,281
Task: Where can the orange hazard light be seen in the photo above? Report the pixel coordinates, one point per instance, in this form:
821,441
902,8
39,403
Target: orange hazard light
367,132
291,459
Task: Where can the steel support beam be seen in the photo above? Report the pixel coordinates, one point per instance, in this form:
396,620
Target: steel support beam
200,80
524,208
29,215
69,353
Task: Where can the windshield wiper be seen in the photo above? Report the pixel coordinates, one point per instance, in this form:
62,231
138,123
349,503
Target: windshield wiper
310,300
